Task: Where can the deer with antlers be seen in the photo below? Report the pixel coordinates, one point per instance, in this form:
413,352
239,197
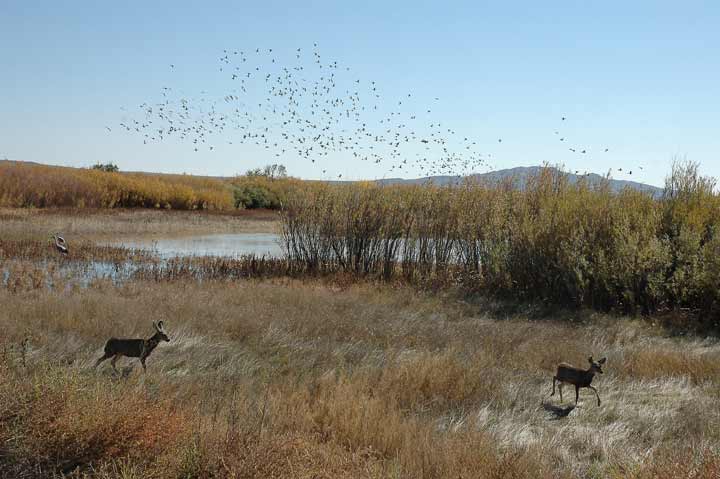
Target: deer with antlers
133,348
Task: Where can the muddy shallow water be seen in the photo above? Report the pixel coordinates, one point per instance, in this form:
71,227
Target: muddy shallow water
168,257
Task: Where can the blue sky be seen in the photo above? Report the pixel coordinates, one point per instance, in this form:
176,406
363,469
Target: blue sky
639,78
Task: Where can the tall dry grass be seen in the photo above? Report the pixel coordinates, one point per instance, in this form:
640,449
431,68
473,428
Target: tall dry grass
40,186
33,185
288,378
118,224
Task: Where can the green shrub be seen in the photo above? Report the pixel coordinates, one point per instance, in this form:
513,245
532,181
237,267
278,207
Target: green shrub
107,167
255,196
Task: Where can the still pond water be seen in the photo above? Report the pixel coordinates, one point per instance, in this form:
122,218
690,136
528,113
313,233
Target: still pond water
259,244
225,245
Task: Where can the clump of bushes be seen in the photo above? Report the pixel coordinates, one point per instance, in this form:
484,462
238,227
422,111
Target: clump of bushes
266,187
253,196
106,167
554,241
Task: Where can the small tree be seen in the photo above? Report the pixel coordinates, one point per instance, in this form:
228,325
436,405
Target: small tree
272,172
108,167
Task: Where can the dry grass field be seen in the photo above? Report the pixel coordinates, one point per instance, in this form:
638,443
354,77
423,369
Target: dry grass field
32,185
105,224
288,378
341,372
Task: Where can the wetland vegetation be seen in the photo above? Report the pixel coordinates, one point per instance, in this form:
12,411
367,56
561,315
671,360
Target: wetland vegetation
409,332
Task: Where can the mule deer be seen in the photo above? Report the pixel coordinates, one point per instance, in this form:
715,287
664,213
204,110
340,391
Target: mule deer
133,348
580,378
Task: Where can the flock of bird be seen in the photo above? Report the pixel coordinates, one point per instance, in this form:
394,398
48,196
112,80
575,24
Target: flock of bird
315,109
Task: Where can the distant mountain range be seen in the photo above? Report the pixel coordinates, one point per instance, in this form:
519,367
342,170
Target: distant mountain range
520,176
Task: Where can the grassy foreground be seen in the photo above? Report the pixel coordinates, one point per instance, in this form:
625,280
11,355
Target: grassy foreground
311,379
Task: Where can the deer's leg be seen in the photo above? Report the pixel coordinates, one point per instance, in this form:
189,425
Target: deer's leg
103,358
577,393
142,361
596,394
114,360
560,389
553,391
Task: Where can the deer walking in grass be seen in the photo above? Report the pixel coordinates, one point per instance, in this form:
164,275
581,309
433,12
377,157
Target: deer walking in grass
133,348
580,378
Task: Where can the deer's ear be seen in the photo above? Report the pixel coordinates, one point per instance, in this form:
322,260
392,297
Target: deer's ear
590,360
602,361
155,325
160,326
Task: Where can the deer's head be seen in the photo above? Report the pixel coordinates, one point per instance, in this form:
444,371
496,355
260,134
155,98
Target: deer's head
596,367
161,330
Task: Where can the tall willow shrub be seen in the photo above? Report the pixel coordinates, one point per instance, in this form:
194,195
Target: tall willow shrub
556,241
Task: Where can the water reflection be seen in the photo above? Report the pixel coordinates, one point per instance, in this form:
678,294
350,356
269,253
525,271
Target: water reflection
67,273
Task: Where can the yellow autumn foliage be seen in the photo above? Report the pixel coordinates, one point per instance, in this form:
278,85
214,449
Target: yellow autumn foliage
40,186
